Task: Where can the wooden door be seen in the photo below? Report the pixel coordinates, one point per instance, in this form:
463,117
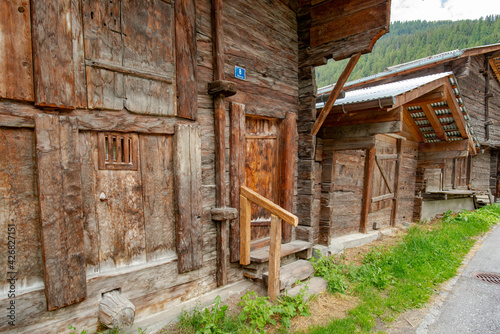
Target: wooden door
262,171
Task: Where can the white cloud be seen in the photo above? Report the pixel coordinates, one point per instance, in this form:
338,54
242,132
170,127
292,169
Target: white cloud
436,10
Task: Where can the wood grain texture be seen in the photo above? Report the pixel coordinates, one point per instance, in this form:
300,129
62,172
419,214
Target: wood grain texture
59,184
187,181
245,230
186,62
16,81
58,54
19,209
367,188
289,154
273,287
236,172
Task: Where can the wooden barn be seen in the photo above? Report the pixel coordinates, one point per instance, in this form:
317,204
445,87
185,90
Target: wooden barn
445,138
148,148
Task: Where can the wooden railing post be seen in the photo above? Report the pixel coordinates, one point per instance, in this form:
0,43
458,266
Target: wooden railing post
273,286
245,217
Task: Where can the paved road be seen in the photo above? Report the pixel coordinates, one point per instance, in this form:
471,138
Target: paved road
472,306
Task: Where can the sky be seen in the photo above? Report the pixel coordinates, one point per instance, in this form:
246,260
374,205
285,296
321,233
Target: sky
437,10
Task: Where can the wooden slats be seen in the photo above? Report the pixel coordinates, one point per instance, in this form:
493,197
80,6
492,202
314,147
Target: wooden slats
59,184
358,143
384,176
399,166
187,180
432,118
367,188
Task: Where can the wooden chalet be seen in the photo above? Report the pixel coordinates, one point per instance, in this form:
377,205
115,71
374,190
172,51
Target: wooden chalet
452,129
140,165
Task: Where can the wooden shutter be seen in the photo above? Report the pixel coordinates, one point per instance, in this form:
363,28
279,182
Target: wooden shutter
59,186
187,180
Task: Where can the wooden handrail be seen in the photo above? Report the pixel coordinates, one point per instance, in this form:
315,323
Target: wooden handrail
247,196
269,205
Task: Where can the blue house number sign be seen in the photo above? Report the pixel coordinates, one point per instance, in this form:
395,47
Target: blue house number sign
240,73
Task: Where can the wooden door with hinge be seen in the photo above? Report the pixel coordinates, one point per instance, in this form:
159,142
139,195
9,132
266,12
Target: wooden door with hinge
262,171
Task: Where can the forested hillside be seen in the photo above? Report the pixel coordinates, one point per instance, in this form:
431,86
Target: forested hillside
412,40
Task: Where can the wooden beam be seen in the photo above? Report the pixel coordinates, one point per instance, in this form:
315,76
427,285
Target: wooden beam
335,92
387,156
289,154
412,126
457,145
409,96
273,286
458,116
399,167
437,156
236,172
363,130
269,206
365,117
367,188
186,58
382,197
384,103
432,118
434,96
342,144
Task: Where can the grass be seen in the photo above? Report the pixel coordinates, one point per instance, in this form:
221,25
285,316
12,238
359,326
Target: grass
390,281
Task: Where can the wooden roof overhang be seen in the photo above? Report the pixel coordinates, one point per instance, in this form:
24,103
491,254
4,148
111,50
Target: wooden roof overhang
432,114
495,64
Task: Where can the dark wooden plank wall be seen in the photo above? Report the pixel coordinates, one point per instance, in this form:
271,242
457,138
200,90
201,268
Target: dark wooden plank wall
480,178
407,183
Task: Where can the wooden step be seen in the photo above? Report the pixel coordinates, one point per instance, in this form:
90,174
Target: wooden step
262,254
290,273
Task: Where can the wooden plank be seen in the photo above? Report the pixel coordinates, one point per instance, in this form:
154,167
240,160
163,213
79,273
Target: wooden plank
458,116
341,144
273,287
382,197
270,206
19,210
158,195
236,172
412,126
374,115
245,217
335,92
367,188
397,177
187,181
16,81
289,154
163,77
58,57
387,156
186,58
432,156
435,96
59,186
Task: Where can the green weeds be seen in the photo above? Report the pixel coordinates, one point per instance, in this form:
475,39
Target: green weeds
390,281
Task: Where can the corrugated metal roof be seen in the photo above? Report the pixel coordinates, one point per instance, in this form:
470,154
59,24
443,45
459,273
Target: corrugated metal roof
385,91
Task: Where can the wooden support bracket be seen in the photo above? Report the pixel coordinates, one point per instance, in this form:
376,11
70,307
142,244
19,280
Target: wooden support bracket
226,213
224,87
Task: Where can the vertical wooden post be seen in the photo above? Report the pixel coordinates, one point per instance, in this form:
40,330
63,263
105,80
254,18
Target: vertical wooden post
367,188
273,287
236,172
245,217
395,202
220,142
289,151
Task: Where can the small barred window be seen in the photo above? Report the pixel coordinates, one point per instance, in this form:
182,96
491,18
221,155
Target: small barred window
118,151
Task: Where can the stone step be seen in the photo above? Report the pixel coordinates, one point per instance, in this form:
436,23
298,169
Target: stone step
290,273
315,286
297,246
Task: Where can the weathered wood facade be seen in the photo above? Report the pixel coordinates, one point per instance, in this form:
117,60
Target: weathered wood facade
125,137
